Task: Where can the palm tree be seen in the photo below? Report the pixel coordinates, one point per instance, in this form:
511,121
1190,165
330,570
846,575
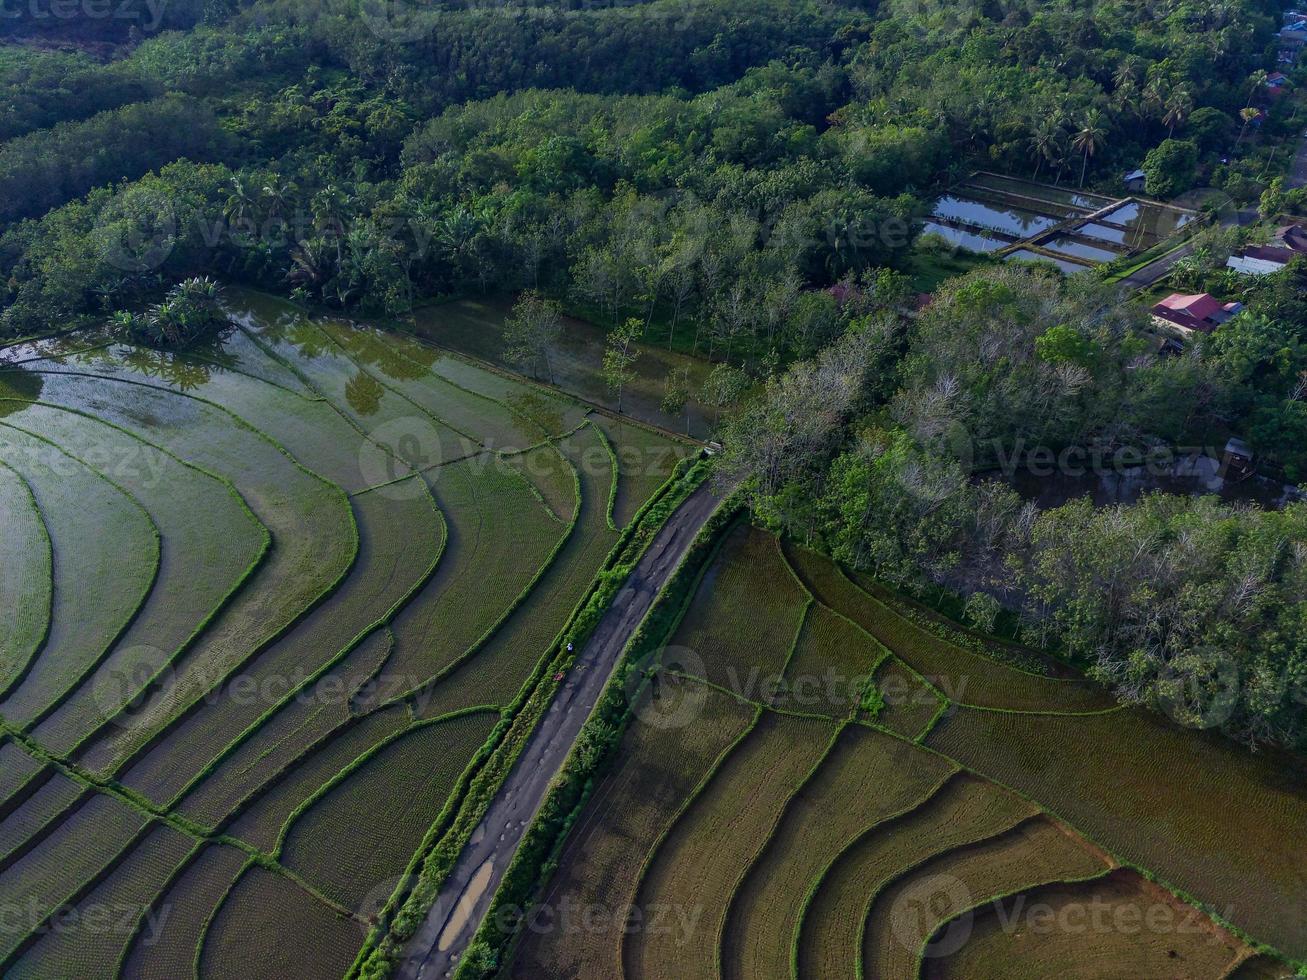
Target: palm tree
1178,107
1088,139
1127,72
243,203
1255,81
1044,141
1247,114
278,194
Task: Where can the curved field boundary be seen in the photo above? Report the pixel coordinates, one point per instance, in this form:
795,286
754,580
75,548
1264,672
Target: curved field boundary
188,897
843,798
1097,835
1067,947
346,839
76,592
348,417
1041,866
505,659
613,489
673,878
145,622
965,809
313,678
362,760
879,826
656,847
26,574
953,669
572,529
112,724
391,567
428,374
128,817
265,535
89,948
786,806
500,616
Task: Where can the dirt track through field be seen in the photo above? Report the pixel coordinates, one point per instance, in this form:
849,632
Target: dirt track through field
462,903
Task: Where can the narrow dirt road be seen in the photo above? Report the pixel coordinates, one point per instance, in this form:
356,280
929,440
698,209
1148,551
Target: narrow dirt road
434,950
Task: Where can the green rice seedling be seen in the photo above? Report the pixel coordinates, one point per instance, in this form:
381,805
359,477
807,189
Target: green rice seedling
250,934
26,575
106,558
364,827
167,950
96,931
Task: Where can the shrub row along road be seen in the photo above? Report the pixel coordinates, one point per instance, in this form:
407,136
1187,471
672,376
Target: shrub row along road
462,903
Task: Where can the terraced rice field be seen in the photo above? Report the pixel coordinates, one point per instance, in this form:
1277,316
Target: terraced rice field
957,816
272,597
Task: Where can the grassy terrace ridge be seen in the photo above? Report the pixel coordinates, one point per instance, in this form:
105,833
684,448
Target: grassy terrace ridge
26,574
197,766
403,913
798,888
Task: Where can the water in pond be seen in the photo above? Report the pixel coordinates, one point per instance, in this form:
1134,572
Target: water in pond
1025,255
1189,477
1103,233
1025,188
975,241
1072,246
1147,224
1012,221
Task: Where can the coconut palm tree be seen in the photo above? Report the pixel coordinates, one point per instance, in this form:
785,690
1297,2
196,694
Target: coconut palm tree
1088,139
1178,107
1255,81
243,204
1247,114
278,195
1044,142
1127,72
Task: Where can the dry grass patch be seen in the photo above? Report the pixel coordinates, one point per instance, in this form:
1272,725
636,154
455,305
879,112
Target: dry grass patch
694,870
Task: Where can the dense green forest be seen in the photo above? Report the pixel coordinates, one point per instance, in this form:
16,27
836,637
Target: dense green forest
710,168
